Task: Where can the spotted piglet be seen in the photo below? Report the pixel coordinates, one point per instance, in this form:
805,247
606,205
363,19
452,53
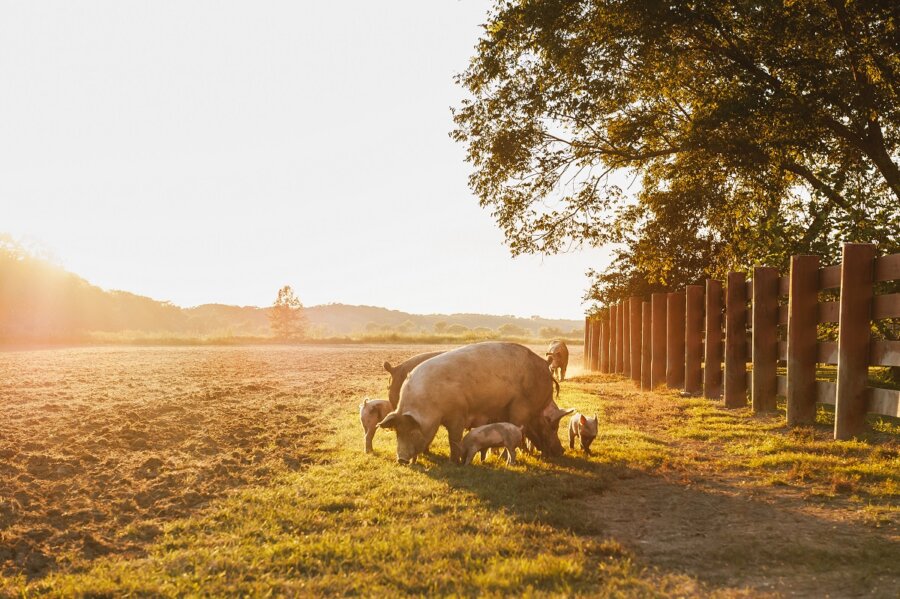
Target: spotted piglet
584,428
371,412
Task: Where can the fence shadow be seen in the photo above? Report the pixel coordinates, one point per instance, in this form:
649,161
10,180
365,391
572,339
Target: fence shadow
717,534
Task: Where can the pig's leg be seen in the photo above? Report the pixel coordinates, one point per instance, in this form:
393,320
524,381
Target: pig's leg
571,438
455,433
483,455
470,455
370,434
510,456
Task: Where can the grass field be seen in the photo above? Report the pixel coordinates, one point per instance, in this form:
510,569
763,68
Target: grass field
210,471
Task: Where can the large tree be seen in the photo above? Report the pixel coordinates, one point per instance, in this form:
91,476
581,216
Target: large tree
701,136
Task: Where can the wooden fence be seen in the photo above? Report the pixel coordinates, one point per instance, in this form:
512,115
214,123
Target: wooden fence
677,339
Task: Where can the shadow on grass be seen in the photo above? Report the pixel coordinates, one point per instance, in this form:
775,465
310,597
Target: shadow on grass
722,535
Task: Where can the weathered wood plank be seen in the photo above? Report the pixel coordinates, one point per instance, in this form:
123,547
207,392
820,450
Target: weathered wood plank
712,371
693,338
611,340
658,336
884,401
586,353
827,352
784,285
625,306
764,351
675,340
828,312
884,353
634,313
801,340
830,277
646,341
620,339
887,268
825,392
853,339
886,306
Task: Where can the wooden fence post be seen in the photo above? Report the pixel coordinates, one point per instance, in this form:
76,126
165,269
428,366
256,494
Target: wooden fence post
634,312
736,341
801,340
712,367
646,341
613,320
596,344
658,353
857,274
586,352
675,340
764,386
693,341
626,338
620,313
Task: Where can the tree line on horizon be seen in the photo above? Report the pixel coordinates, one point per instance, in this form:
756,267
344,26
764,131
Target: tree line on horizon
41,302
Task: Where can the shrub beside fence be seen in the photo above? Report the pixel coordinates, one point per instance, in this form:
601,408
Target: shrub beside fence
664,340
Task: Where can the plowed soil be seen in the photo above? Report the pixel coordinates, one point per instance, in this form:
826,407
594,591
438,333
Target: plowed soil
101,446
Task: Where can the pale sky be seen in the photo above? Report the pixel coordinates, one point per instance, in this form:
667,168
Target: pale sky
204,152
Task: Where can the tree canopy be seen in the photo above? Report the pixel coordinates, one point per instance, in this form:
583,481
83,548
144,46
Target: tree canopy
700,136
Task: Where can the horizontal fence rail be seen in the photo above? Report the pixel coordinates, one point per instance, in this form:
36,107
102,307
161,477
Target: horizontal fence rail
703,338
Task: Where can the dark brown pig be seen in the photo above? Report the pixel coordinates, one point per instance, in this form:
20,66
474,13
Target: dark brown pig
400,371
558,358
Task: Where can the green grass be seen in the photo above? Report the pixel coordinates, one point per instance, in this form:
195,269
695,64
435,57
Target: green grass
356,524
866,468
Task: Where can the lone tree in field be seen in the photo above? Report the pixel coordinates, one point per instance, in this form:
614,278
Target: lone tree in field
286,316
753,130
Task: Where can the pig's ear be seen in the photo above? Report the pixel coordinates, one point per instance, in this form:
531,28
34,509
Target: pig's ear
388,367
407,422
555,418
399,421
390,421
583,419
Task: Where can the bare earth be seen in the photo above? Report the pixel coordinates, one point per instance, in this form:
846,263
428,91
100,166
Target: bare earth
100,446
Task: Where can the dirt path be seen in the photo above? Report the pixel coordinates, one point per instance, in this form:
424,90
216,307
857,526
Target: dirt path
726,528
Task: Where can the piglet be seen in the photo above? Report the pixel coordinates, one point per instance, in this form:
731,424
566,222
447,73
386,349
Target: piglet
371,412
585,429
500,434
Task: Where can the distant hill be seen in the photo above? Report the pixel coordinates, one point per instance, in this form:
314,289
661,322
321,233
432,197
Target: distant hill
41,301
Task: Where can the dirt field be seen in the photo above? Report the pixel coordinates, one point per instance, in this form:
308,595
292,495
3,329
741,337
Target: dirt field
173,471
100,447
